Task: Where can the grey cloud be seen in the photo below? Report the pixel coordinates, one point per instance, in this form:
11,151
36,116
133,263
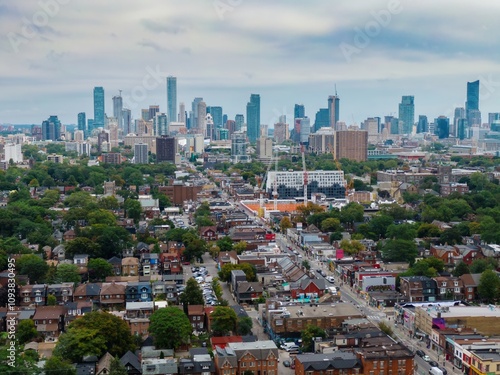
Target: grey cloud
150,44
162,27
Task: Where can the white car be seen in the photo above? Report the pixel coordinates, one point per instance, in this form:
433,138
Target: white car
330,279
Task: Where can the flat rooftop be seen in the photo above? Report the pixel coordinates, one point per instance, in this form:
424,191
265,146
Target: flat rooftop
463,311
266,344
334,309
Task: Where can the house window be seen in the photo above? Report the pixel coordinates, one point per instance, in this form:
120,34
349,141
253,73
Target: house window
469,289
456,283
443,283
457,290
243,364
443,290
26,299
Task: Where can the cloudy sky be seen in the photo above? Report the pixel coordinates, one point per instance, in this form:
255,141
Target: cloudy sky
288,51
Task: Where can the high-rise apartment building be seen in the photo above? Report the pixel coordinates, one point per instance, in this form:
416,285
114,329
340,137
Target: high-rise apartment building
90,126
201,114
127,121
423,124
239,148
442,127
305,130
171,99
82,122
333,110
231,127
152,111
141,153
239,121
166,148
351,144
264,148
193,115
99,110
253,118
160,124
323,140
322,119
407,114
182,113
145,114
281,132
118,110
51,129
299,111
372,126
472,104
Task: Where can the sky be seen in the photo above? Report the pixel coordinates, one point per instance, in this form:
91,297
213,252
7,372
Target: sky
53,52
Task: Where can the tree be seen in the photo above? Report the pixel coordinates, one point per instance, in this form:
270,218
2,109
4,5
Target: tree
51,300
249,269
488,286
192,295
399,251
309,334
57,366
351,213
225,244
94,334
331,225
450,236
352,247
481,265
217,288
285,224
244,325
116,368
461,269
99,269
101,216
81,245
133,209
386,328
170,328
224,320
26,331
32,266
67,273
240,247
401,232
426,230
306,264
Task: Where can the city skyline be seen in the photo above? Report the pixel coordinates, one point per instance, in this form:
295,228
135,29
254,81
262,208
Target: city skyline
375,53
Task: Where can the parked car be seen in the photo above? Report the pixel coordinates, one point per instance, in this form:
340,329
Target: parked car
286,363
322,273
433,364
318,270
330,279
420,353
426,358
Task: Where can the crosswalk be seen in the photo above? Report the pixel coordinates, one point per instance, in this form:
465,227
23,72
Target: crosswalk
374,317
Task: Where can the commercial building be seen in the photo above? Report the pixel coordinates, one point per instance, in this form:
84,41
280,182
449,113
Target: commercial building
140,153
51,129
166,149
322,141
253,118
172,99
264,148
351,144
472,104
239,148
407,114
281,132
291,184
333,110
118,110
180,192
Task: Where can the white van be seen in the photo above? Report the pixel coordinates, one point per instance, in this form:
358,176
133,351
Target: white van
435,371
290,346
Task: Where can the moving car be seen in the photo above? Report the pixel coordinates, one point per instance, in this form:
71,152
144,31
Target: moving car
433,364
330,279
420,353
435,371
286,363
426,358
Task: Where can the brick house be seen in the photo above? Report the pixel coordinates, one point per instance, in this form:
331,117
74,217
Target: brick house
50,320
112,295
446,253
130,266
196,315
247,292
208,233
313,288
470,283
258,357
449,288
418,288
33,295
337,363
63,292
87,292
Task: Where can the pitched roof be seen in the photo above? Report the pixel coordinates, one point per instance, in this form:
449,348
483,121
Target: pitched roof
49,312
104,363
131,359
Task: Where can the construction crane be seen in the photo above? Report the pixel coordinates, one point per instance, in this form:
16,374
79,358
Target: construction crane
275,190
305,174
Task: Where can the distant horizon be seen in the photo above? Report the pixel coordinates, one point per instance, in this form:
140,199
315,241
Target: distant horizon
290,52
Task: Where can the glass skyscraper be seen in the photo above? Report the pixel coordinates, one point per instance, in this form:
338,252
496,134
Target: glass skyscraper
82,122
299,111
217,117
253,118
407,114
51,129
423,124
239,120
118,110
99,107
442,127
171,99
322,119
333,109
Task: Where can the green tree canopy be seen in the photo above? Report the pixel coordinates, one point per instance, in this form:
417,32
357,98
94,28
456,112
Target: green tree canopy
249,269
32,266
26,331
488,286
67,273
224,320
57,366
244,325
99,269
192,295
309,334
170,328
399,251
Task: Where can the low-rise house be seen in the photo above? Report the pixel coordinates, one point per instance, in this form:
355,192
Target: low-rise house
196,315
336,363
308,288
33,295
138,292
177,279
209,233
112,295
449,288
200,363
137,316
63,292
59,252
247,292
50,320
446,253
149,264
104,365
131,363
116,263
130,266
163,366
470,283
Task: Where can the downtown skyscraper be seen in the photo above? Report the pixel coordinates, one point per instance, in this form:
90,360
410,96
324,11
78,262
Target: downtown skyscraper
333,110
171,99
253,118
99,111
472,104
118,110
407,114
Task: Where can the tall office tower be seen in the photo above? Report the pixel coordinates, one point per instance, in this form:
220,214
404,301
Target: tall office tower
253,118
333,109
372,126
472,104
216,113
141,153
90,126
112,126
99,110
395,126
127,121
51,129
281,132
78,136
82,122
160,124
209,127
462,129
172,99
153,110
182,113
201,113
407,114
264,130
118,110
322,119
299,111
145,114
231,127
305,130
194,108
239,121
351,144
166,148
423,124
442,127
239,148
224,120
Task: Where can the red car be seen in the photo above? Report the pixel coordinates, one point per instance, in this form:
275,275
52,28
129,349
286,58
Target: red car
186,263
